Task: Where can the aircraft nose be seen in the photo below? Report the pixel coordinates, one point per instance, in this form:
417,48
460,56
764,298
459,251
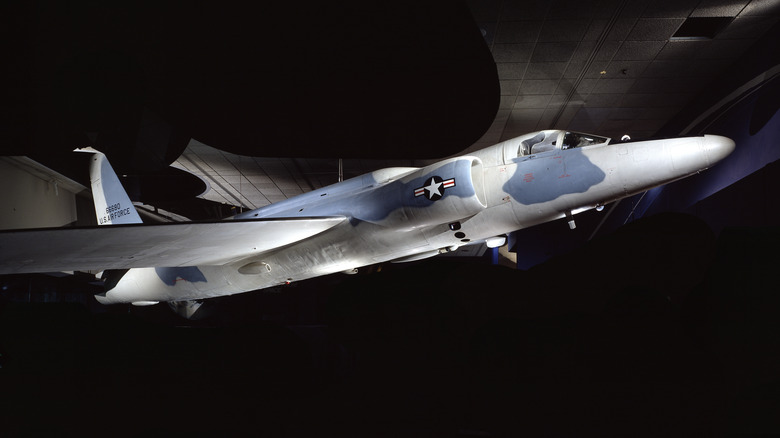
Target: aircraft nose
717,147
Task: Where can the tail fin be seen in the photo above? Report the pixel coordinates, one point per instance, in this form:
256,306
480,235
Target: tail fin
112,205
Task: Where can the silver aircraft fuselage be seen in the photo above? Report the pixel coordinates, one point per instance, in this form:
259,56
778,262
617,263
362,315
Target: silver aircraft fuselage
403,214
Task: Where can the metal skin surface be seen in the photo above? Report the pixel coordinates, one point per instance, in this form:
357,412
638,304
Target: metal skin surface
105,186
408,213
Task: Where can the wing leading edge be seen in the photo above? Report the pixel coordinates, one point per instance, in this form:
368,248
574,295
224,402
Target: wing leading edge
139,246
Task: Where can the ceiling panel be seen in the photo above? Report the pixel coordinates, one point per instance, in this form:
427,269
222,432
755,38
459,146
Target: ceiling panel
538,86
670,8
507,102
658,29
625,69
639,50
654,100
563,30
719,8
613,86
762,7
532,101
659,113
605,52
630,8
545,70
510,88
525,10
576,9
518,31
604,100
686,50
661,68
620,29
588,113
724,49
747,27
513,52
625,113
553,51
595,28
678,85
511,70
574,68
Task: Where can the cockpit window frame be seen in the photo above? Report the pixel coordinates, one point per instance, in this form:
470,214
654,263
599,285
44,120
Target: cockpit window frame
584,140
552,140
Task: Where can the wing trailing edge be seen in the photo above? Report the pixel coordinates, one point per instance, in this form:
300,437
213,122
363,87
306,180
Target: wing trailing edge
162,245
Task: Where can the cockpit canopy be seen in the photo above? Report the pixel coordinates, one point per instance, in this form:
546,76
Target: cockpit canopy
556,139
537,142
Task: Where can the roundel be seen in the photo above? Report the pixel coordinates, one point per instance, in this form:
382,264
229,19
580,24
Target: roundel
433,187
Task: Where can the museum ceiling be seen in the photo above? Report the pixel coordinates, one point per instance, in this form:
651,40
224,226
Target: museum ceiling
262,103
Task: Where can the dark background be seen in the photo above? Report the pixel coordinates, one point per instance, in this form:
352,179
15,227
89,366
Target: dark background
666,325
681,341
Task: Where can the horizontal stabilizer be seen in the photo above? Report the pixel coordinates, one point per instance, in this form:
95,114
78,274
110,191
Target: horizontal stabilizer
139,246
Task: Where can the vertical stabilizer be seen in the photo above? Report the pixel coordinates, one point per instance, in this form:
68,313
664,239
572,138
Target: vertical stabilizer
112,205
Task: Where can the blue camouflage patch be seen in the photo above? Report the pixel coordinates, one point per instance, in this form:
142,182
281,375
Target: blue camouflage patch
550,175
191,274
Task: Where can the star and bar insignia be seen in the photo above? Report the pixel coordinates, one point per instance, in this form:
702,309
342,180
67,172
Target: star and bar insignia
434,187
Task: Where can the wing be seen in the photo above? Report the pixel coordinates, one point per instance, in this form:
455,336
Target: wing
137,246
